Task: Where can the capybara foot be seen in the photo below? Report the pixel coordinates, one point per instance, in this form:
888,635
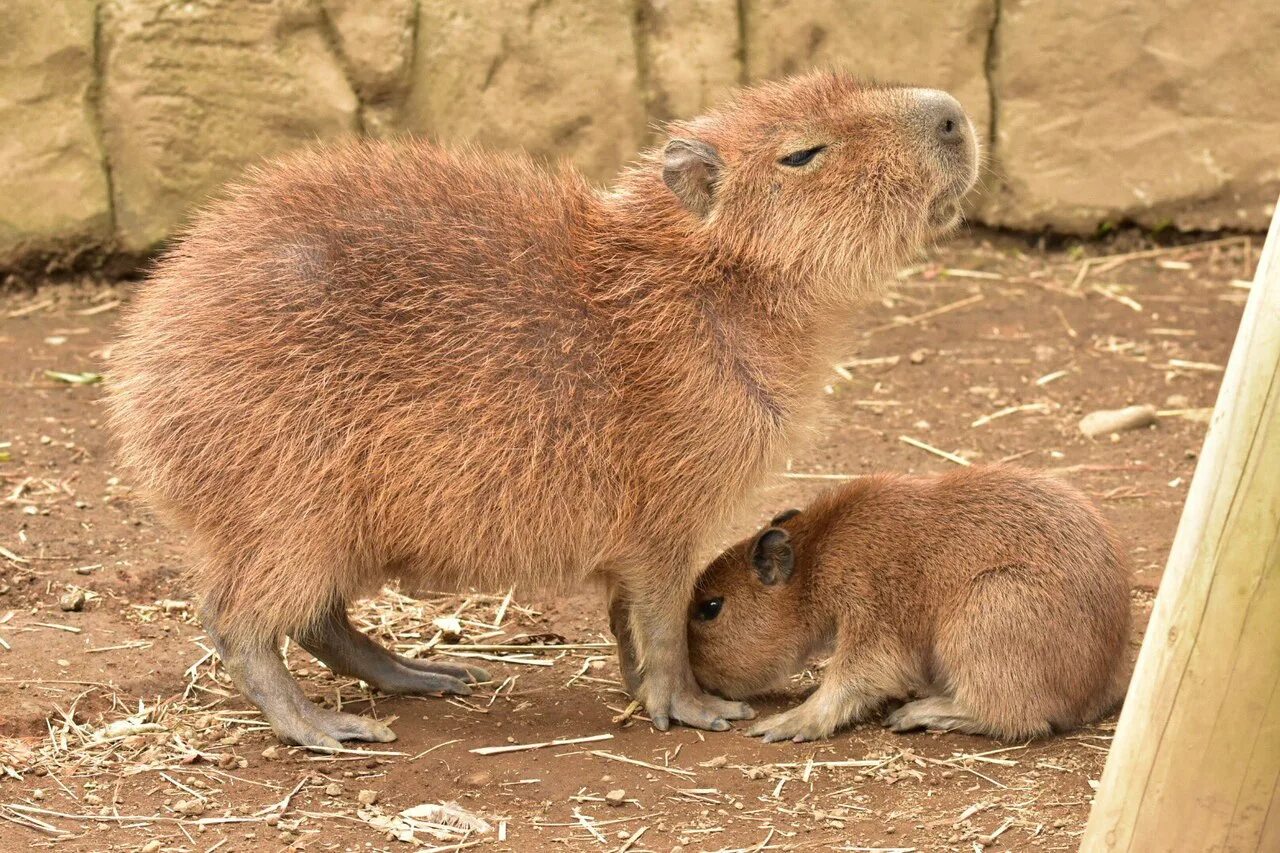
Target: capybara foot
799,724
417,682
256,668
940,713
462,672
321,729
698,710
336,642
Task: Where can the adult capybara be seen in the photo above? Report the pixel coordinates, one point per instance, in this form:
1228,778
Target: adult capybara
996,596
388,361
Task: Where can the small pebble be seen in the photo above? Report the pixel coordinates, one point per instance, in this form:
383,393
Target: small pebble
1109,421
367,797
918,356
616,797
333,789
189,807
72,602
150,847
718,761
271,753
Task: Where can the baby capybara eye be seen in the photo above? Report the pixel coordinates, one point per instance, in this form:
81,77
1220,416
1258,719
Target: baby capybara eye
710,609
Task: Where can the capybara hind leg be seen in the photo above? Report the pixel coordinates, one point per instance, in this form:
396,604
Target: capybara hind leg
260,674
336,642
620,627
940,713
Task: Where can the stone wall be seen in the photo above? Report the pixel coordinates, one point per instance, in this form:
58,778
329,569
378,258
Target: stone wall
117,116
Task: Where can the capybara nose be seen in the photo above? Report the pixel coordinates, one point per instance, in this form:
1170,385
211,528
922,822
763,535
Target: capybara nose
942,117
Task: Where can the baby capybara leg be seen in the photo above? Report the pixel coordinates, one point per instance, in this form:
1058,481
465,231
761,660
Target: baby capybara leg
347,651
1018,653
256,668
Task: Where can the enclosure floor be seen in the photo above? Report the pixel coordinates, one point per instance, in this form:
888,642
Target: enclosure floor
116,712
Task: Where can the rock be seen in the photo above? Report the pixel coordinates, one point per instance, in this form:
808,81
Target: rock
1108,421
718,761
555,77
948,53
1177,401
692,50
450,628
333,789
192,92
376,43
191,807
1188,140
367,797
616,797
271,753
72,602
918,356
53,184
150,847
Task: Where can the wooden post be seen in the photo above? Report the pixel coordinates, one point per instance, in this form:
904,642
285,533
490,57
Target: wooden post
1195,765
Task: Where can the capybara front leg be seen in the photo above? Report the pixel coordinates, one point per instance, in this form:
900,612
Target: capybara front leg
260,674
347,651
659,606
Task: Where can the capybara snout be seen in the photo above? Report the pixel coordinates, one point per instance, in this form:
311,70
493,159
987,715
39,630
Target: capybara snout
995,598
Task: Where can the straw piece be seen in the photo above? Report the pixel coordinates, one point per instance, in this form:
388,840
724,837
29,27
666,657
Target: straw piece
523,747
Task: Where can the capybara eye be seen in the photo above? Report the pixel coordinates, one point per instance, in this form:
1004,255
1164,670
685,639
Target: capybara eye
797,159
710,609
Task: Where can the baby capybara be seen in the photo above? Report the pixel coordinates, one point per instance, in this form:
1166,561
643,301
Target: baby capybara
995,599
387,361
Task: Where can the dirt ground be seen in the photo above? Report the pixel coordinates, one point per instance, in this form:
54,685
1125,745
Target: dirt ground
119,732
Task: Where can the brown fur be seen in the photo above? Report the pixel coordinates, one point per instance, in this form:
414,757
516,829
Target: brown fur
390,361
1001,592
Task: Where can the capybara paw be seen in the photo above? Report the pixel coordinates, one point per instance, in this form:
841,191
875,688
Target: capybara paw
939,713
342,726
416,682
733,710
696,709
901,719
462,672
794,725
322,730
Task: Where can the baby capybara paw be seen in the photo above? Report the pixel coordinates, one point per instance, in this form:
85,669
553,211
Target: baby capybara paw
798,725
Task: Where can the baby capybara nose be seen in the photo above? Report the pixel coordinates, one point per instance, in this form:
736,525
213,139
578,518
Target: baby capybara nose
942,117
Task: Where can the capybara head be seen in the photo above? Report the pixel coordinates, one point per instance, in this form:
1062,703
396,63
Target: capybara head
747,631
822,173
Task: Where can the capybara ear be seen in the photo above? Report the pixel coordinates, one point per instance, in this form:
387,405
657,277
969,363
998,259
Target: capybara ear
772,556
785,515
691,169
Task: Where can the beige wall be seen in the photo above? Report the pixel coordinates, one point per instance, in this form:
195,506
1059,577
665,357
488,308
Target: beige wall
116,116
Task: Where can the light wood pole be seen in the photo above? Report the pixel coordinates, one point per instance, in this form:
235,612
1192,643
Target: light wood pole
1195,764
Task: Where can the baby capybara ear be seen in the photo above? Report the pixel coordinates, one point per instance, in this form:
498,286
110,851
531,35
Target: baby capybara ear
772,557
785,515
691,169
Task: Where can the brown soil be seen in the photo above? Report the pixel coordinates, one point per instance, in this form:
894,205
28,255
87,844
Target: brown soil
100,716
